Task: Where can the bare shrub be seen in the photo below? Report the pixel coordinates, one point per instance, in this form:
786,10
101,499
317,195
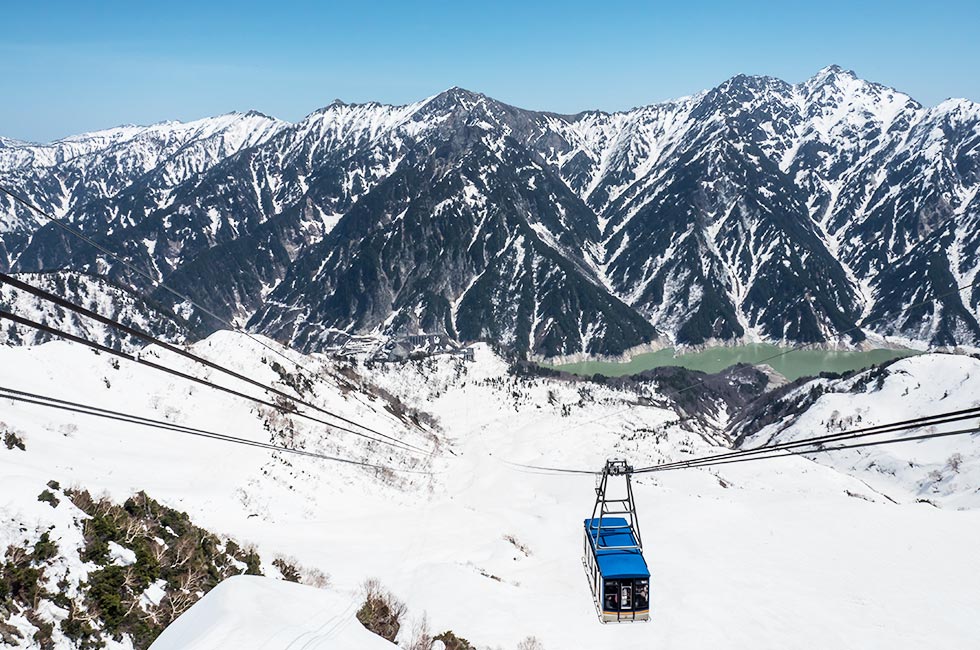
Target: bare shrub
530,643
421,636
381,612
954,462
518,545
314,578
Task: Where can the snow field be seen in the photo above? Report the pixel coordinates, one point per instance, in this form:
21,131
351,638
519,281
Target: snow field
250,611
944,470
757,555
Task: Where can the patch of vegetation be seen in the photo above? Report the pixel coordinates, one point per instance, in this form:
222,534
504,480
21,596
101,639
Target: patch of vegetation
12,441
21,578
453,642
253,564
44,630
47,496
22,587
180,560
289,571
106,590
523,368
421,637
518,545
872,380
774,406
315,578
9,635
78,628
295,380
381,612
169,548
45,549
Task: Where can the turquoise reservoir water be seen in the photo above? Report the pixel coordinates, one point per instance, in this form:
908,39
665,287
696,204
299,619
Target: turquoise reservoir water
801,363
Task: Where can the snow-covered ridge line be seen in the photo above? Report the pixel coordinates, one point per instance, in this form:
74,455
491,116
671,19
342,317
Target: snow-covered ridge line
590,124
758,210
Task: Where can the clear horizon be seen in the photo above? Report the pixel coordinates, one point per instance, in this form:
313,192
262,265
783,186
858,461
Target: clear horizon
75,68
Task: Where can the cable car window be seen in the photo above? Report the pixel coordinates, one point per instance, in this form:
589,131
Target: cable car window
641,594
611,590
627,597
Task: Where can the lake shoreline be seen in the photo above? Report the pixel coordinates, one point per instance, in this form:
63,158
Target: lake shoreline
804,362
872,342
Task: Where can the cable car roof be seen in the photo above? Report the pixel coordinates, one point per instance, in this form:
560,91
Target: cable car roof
617,563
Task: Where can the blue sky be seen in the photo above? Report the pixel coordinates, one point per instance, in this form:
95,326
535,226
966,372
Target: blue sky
76,66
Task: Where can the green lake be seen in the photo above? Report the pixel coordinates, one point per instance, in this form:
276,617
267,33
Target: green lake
800,363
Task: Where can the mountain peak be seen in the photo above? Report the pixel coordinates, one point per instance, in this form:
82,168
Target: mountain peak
257,114
958,109
458,95
460,91
750,82
10,142
833,68
830,73
454,100
740,91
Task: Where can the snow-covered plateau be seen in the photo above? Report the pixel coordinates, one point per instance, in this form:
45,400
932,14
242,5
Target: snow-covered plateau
874,548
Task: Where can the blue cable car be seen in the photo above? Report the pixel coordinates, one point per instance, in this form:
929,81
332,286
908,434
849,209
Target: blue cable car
613,553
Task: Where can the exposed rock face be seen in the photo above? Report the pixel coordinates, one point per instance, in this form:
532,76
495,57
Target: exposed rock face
810,212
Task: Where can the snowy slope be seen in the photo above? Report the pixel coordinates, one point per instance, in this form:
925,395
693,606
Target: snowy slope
252,612
114,460
787,553
943,470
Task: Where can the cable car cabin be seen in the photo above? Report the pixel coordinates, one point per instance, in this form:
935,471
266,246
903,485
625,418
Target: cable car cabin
618,574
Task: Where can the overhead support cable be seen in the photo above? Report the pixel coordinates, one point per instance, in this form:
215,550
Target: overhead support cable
68,228
149,338
914,423
820,450
109,414
801,447
176,373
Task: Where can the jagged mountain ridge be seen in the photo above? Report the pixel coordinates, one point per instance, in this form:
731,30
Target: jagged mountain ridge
758,209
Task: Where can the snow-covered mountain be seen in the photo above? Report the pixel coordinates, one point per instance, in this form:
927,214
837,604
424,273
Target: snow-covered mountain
92,293
757,209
